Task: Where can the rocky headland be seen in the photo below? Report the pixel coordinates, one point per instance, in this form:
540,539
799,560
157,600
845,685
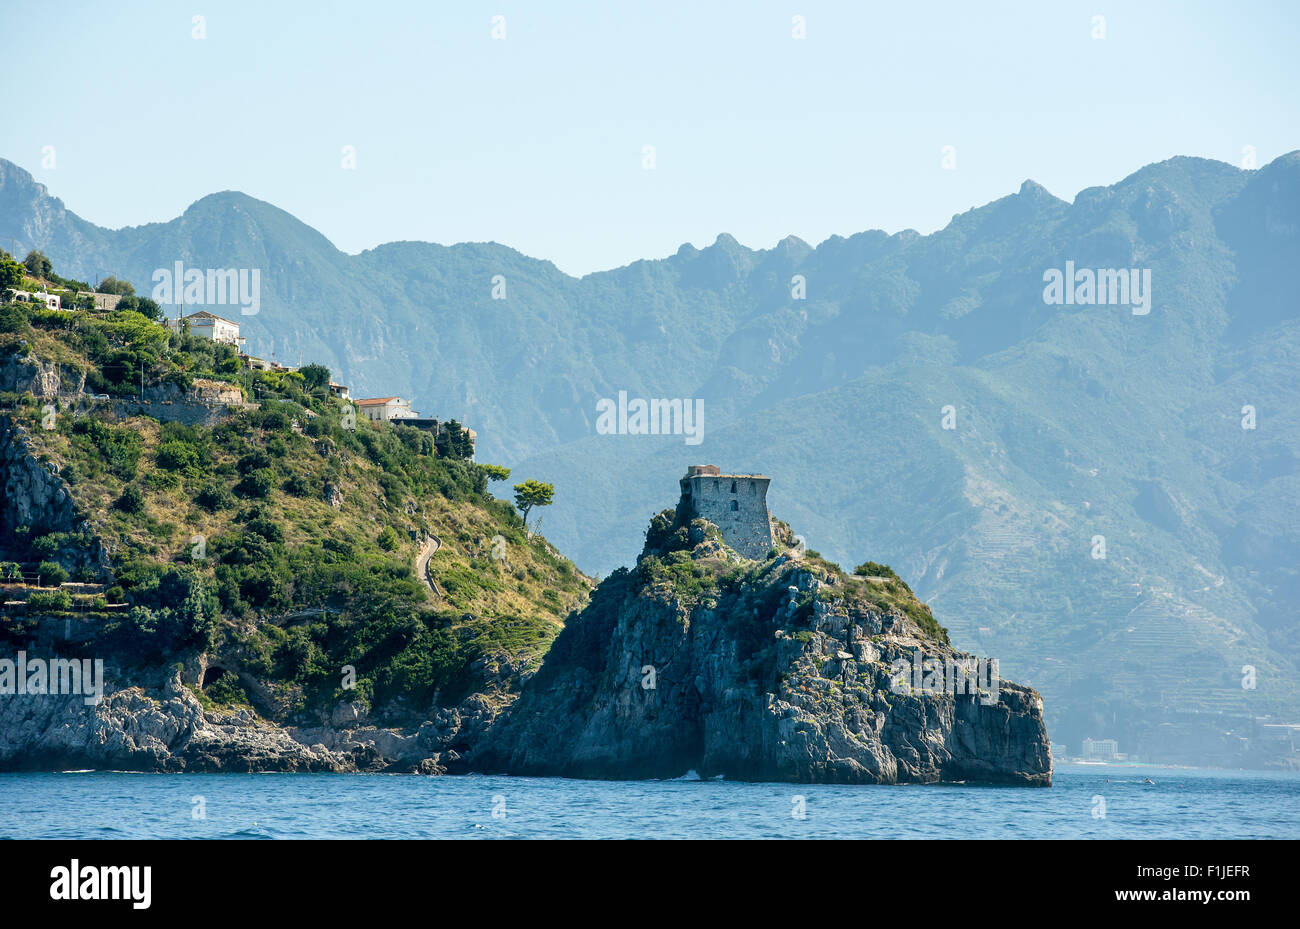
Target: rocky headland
780,670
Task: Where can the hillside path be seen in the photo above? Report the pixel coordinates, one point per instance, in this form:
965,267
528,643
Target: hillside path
431,545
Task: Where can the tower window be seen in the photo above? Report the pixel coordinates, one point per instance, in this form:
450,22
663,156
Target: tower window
733,487
734,506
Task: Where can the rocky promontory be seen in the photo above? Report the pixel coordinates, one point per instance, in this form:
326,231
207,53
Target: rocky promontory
781,670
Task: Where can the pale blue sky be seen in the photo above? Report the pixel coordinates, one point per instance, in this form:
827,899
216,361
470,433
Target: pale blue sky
536,141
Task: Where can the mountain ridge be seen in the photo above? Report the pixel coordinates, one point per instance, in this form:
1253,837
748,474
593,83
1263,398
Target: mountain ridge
1070,421
1029,187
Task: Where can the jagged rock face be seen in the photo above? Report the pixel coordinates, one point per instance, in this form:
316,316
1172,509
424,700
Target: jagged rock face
736,693
128,731
152,722
34,495
44,381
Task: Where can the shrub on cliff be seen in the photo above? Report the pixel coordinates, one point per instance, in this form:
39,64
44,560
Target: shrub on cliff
264,523
257,459
226,691
214,496
47,546
174,610
874,569
115,447
256,484
300,486
131,501
13,318
52,573
55,601
176,456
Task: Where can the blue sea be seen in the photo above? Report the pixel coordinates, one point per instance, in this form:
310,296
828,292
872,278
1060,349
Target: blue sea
1086,802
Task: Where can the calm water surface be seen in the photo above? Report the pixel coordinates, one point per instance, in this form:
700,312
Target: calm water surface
1181,803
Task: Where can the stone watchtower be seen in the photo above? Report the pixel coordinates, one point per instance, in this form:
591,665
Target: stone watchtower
735,503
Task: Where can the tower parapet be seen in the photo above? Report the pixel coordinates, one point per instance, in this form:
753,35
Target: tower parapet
735,503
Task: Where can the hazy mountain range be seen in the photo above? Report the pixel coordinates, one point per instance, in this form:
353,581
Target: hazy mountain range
1069,421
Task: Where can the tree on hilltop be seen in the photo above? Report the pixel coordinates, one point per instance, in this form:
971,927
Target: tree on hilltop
454,442
11,271
533,493
37,264
111,285
146,307
316,376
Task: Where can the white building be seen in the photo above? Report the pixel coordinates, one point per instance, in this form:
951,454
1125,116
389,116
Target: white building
383,409
52,301
206,325
1101,749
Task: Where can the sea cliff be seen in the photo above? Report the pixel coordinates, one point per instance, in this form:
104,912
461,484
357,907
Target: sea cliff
781,670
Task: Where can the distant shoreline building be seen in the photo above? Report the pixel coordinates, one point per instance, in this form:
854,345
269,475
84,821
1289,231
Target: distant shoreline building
1101,750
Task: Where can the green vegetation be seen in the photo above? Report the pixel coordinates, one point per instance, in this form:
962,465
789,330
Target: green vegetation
225,691
533,493
1069,421
55,601
690,580
11,271
51,573
35,274
286,534
677,559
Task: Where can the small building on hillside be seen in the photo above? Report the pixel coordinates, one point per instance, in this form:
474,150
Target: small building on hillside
207,325
105,301
385,409
51,301
339,390
398,411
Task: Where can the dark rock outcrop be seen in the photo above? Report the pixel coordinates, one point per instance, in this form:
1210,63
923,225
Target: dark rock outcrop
779,671
34,495
152,721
